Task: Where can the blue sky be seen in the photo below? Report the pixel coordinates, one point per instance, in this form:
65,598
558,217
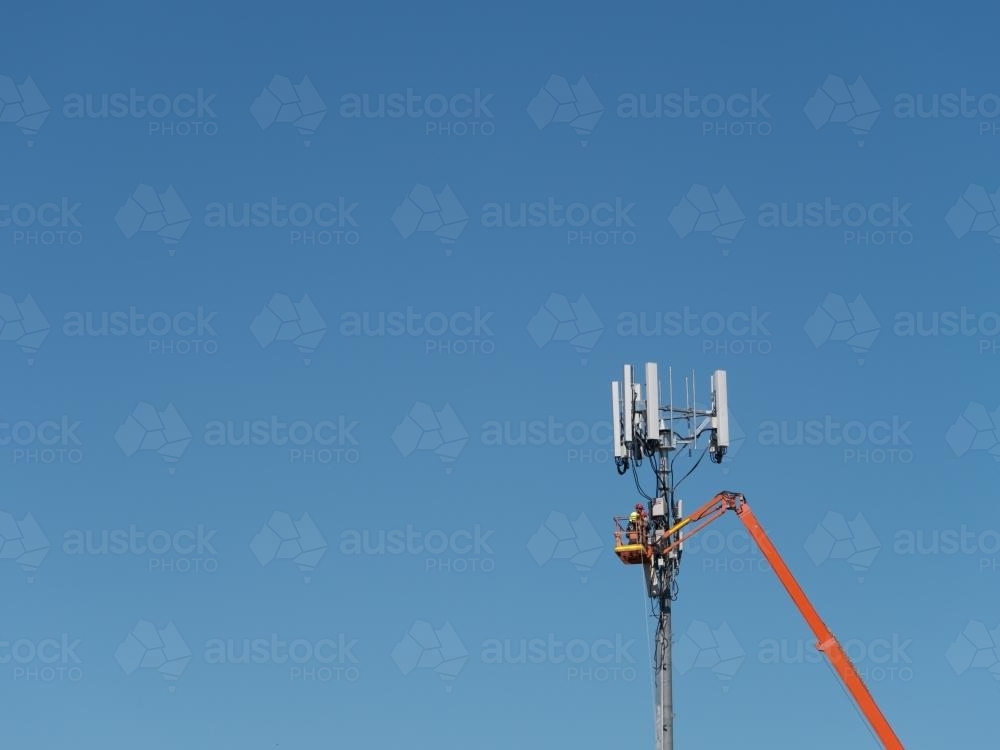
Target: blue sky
655,240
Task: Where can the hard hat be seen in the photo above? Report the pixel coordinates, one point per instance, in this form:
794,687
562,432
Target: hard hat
638,506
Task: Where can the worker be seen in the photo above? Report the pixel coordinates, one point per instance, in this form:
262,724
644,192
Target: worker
635,523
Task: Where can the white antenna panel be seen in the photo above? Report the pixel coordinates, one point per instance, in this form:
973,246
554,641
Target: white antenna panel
628,393
721,394
652,402
616,419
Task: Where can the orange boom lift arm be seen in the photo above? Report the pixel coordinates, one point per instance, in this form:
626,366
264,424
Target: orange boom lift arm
673,538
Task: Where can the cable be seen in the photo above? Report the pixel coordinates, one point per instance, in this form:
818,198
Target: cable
652,659
689,471
635,476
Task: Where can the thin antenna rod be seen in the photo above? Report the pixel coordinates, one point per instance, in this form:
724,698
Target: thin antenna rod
694,399
670,375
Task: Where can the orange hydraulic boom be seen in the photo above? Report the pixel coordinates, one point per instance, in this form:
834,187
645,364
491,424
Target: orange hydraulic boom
826,642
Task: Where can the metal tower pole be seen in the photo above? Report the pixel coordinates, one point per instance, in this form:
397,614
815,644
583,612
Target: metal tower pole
664,677
664,626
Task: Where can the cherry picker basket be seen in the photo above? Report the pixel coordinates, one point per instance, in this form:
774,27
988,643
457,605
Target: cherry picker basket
630,541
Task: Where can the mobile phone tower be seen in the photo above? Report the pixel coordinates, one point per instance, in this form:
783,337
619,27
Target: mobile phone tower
647,430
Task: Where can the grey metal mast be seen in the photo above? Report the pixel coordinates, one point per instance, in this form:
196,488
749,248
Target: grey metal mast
664,677
663,653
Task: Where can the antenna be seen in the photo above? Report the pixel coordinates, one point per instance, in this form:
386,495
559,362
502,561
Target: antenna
670,378
616,419
637,422
694,403
720,406
652,402
629,395
641,430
